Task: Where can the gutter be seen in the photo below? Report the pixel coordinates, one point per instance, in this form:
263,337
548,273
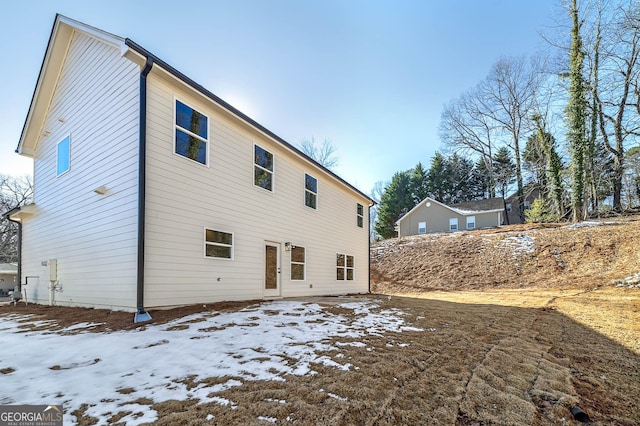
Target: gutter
141,314
7,216
232,110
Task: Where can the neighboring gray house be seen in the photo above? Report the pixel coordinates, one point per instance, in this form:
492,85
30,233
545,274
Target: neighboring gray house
432,216
514,215
150,191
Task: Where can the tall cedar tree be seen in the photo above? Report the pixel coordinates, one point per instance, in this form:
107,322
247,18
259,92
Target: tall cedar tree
576,115
395,201
504,170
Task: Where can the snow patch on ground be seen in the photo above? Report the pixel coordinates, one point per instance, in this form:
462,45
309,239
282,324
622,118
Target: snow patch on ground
586,224
520,244
108,371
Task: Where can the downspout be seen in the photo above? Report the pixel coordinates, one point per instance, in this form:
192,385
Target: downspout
19,251
141,314
369,238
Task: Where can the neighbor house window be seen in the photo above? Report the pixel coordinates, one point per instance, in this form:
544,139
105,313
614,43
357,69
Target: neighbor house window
263,168
192,133
508,207
64,156
471,222
527,204
310,191
344,267
422,227
453,224
298,263
218,244
360,214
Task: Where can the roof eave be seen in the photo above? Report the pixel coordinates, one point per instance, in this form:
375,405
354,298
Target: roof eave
59,39
135,47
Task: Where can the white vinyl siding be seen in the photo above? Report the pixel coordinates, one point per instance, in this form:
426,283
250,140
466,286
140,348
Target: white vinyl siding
92,236
181,198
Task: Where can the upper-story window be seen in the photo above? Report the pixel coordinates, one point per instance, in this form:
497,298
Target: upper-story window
263,168
360,215
63,156
310,191
508,207
192,133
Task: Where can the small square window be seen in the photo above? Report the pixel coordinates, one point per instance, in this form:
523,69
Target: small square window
63,156
192,133
263,168
218,244
310,191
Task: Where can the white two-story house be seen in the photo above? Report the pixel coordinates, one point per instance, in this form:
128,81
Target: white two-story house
150,191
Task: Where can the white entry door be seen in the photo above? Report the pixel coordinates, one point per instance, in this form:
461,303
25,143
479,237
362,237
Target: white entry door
271,269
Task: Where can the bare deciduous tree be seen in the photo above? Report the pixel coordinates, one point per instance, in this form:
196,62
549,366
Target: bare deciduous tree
324,154
14,192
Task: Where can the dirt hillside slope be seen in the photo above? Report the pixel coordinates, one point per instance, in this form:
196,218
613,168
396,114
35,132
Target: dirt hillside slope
587,255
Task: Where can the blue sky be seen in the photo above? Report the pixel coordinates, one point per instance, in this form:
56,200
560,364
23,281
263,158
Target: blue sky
372,76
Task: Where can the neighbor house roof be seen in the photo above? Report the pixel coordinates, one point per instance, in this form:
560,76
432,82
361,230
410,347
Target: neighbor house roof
61,35
496,203
461,208
8,268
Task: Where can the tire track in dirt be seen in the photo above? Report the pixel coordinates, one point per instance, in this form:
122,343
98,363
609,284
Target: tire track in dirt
516,375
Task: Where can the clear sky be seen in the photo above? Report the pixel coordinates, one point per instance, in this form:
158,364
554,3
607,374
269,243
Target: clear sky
372,76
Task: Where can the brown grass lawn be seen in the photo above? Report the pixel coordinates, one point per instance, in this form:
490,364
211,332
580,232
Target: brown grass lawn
517,343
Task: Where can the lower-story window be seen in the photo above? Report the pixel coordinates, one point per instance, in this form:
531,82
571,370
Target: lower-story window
298,261
218,244
344,267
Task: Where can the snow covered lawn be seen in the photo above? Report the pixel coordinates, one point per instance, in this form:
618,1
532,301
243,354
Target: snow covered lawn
127,371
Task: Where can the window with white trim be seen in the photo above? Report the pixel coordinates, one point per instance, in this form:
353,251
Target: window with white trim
422,227
63,156
453,224
263,168
471,222
310,191
298,263
344,267
191,133
360,214
218,244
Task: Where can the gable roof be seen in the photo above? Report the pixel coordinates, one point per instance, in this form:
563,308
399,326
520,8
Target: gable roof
496,203
61,35
460,208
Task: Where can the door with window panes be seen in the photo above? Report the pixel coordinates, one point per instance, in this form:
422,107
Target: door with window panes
271,269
